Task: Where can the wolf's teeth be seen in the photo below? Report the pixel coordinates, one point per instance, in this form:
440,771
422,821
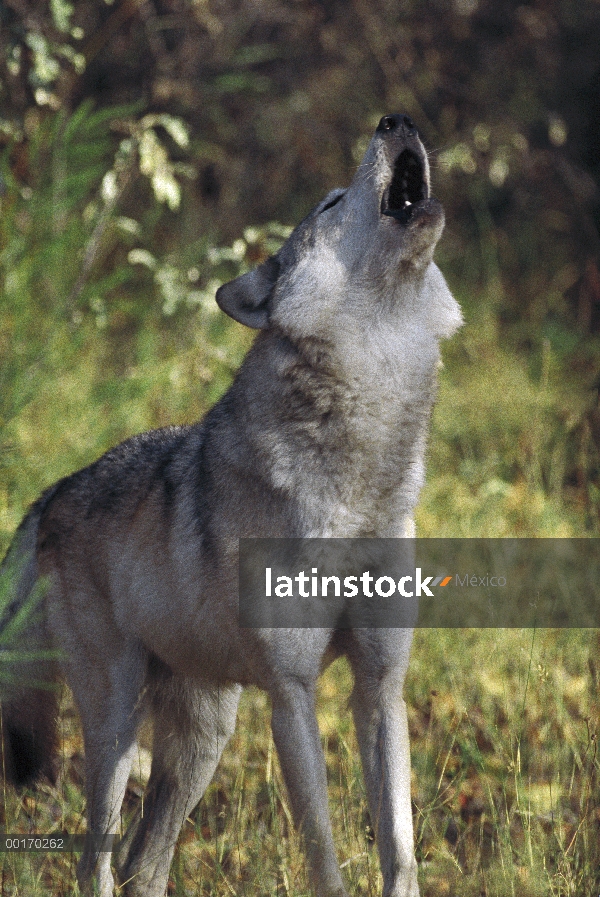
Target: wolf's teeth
407,204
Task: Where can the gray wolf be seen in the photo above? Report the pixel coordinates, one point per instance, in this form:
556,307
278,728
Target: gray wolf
322,434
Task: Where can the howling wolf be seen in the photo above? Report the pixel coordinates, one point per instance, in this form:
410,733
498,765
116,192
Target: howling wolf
322,434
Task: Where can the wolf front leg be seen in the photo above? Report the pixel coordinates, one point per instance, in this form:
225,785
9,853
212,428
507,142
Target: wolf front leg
379,659
298,743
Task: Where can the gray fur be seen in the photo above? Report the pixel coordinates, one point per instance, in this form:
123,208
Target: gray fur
322,434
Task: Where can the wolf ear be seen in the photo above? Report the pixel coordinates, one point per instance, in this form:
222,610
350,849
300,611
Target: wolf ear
246,299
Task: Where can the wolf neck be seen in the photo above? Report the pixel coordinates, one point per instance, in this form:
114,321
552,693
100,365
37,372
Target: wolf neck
342,431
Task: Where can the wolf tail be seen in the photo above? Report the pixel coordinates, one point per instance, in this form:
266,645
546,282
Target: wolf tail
28,670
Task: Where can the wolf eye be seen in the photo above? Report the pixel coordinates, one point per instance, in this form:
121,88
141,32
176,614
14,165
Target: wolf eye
331,204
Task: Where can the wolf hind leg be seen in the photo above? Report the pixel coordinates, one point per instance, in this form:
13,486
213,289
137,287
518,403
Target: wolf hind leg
192,725
110,706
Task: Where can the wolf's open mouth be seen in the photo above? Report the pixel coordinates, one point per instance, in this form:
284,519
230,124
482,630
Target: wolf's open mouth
408,186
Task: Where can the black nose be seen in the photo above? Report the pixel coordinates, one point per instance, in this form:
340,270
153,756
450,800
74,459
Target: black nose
394,122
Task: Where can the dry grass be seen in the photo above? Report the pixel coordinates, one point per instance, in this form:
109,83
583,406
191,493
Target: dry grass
505,782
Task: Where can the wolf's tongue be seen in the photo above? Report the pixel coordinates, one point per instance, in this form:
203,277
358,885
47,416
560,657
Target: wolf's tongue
402,215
